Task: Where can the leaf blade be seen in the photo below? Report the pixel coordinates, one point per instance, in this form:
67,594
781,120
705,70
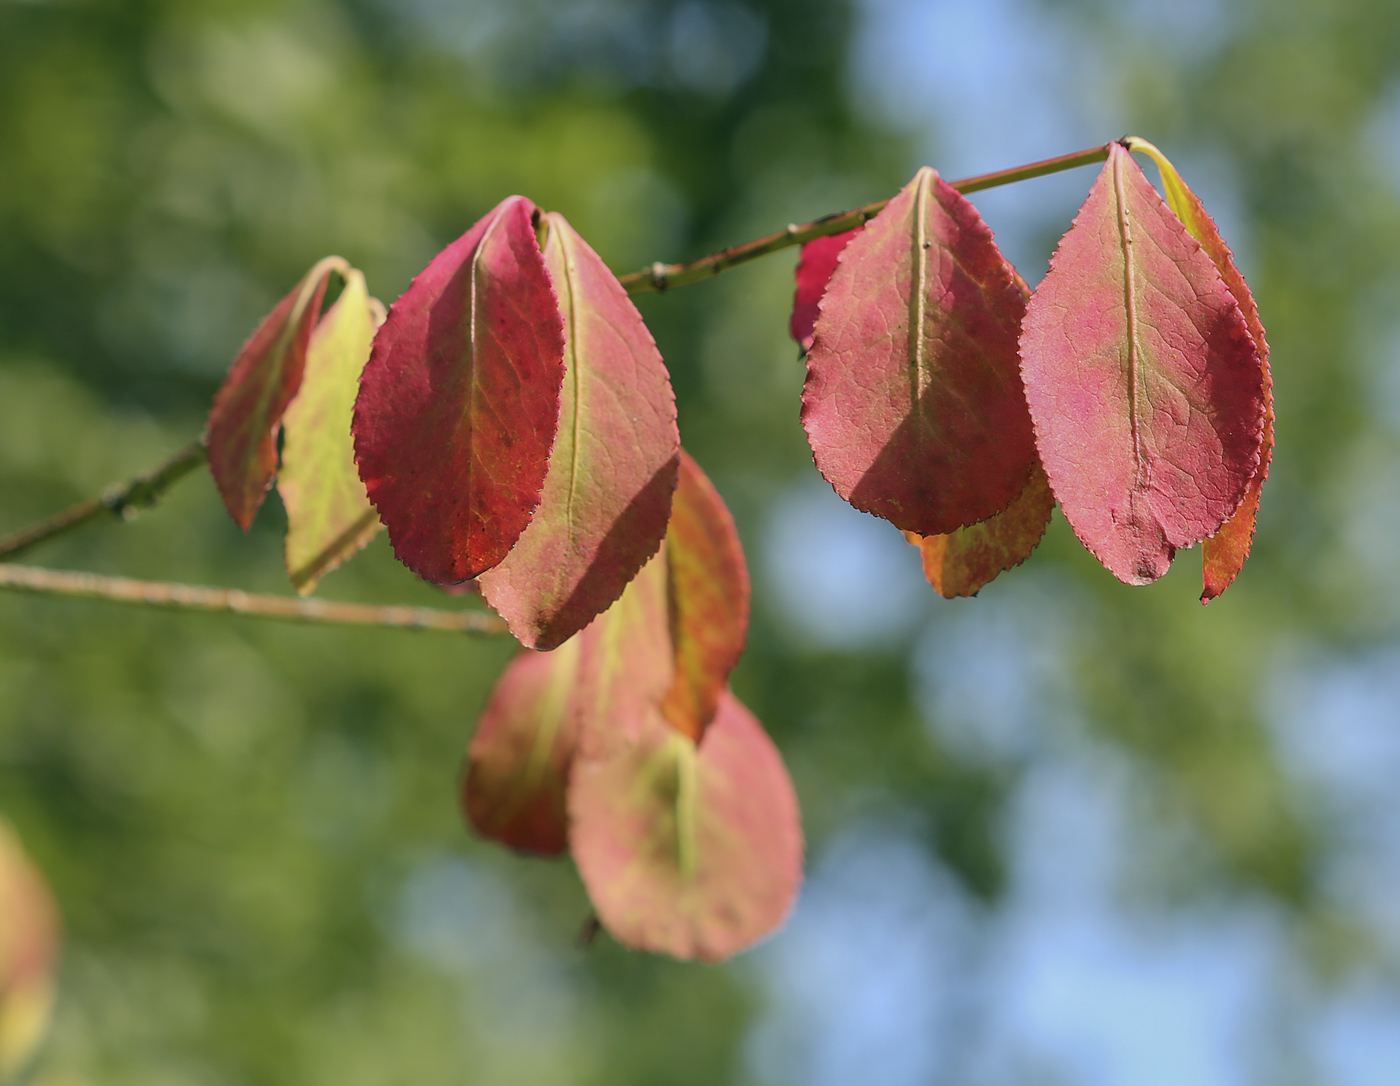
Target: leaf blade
961,563
1142,378
708,591
459,402
329,515
607,495
913,404
261,382
519,758
1223,554
814,269
695,852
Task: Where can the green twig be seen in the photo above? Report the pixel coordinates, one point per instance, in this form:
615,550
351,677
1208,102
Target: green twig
185,597
664,276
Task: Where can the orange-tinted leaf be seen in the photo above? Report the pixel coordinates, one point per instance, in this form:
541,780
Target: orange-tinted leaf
709,600
627,662
460,400
242,429
961,562
329,516
1143,380
518,762
913,403
607,496
1223,554
690,851
814,271
28,947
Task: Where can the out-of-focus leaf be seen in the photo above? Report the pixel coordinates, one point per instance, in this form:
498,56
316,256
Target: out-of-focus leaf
607,496
460,400
628,662
28,947
519,759
814,270
329,516
1223,554
709,600
962,562
242,428
913,403
1144,382
692,851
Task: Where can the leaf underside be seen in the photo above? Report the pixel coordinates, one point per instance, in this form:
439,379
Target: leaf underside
329,516
962,562
1143,380
242,430
459,403
695,852
708,591
913,403
607,495
1223,554
519,759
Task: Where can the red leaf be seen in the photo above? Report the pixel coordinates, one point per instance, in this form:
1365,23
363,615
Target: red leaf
1223,554
814,271
962,562
518,762
1144,383
690,851
913,403
709,600
460,400
242,428
607,496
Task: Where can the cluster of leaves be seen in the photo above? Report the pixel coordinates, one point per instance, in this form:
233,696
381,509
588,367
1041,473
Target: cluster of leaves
512,424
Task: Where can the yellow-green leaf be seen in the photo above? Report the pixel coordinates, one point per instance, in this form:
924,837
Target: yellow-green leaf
329,516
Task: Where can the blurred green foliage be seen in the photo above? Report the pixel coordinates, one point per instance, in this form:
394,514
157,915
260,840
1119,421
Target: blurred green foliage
252,830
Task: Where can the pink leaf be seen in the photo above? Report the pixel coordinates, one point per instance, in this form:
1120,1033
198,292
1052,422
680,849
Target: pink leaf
913,403
1143,380
690,851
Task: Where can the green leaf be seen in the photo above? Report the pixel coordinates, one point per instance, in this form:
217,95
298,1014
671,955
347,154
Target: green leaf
329,515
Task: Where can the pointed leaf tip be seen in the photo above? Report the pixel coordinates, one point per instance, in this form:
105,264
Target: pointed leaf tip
264,377
913,403
459,403
1143,380
607,494
329,516
686,850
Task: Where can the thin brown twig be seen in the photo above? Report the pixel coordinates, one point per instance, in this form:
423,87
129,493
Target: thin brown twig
661,276
56,582
121,500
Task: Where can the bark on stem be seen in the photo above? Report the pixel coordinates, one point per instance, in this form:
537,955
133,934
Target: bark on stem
660,277
122,500
185,597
